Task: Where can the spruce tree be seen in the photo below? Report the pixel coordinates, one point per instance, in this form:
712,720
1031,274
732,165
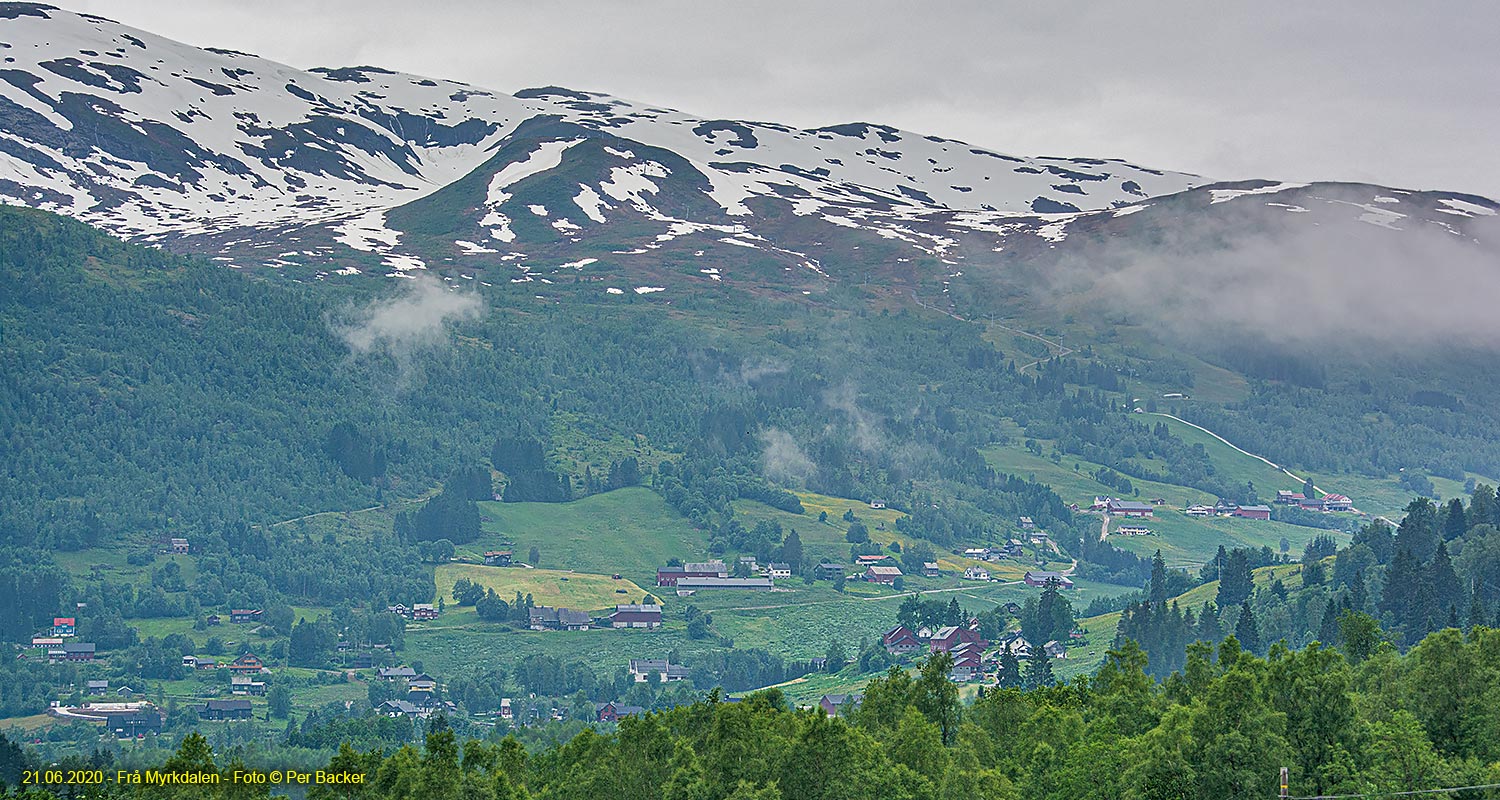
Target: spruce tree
1440,590
1359,596
1010,670
1418,532
1402,578
1328,629
1246,631
1455,522
1039,671
1236,584
1158,579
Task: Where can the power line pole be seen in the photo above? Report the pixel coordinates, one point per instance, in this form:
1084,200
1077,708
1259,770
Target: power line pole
1285,793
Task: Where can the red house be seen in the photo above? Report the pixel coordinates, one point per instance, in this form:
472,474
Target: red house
882,574
949,638
668,576
1253,512
611,712
900,641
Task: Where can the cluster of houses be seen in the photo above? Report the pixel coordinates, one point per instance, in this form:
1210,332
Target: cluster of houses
1011,549
247,664
1224,508
1116,507
421,699
1328,502
57,642
964,645
700,575
419,612
658,669
631,615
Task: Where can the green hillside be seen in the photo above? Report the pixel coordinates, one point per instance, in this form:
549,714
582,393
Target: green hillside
630,531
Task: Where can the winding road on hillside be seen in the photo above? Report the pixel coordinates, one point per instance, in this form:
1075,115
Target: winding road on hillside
1062,349
1237,448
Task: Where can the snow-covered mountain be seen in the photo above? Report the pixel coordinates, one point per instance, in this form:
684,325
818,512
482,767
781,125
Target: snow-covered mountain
360,169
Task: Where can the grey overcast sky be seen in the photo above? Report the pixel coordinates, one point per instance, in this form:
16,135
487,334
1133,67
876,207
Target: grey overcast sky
1398,93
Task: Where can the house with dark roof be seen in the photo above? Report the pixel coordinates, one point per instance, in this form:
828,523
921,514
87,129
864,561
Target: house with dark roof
244,684
836,704
828,571
612,712
1286,498
690,585
97,687
635,615
1128,508
394,673
78,651
249,663
669,576
132,724
1040,578
547,618
424,681
1253,512
660,669
497,558
402,708
224,709
930,569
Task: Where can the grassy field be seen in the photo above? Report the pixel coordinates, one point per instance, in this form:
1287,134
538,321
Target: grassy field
825,540
1192,541
548,587
631,531
1235,467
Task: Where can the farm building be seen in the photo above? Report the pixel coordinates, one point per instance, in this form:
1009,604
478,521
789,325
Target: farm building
1337,502
900,641
828,571
1253,512
835,704
224,709
879,574
547,618
1038,578
1129,508
644,669
695,584
635,616
669,576
947,638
